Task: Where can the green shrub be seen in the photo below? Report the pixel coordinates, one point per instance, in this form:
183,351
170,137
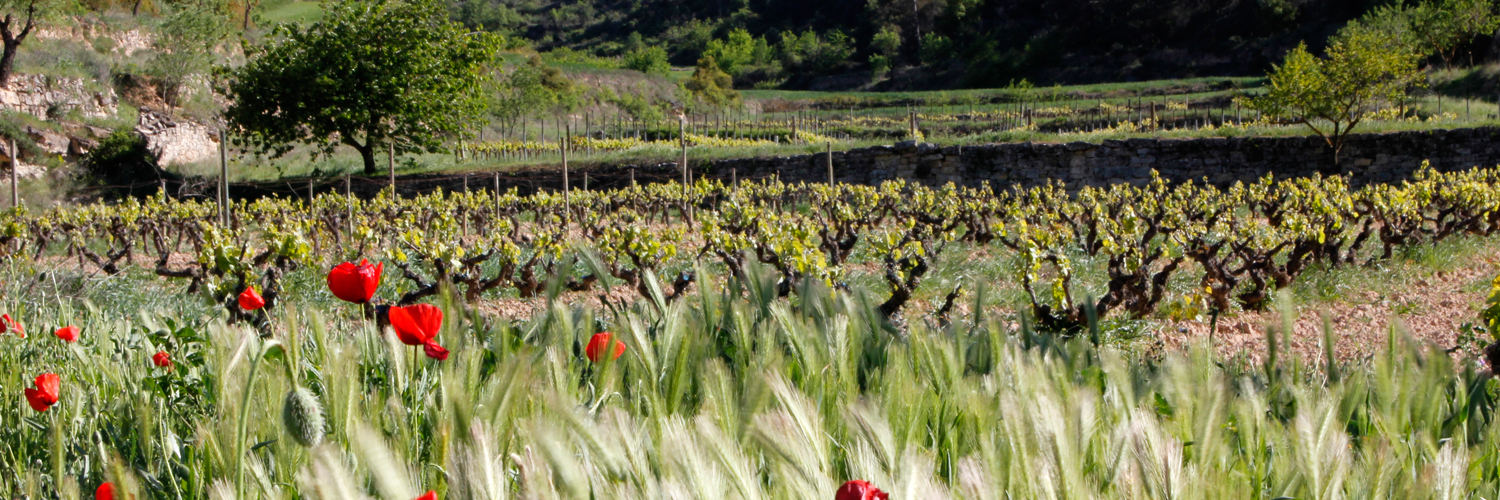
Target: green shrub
651,60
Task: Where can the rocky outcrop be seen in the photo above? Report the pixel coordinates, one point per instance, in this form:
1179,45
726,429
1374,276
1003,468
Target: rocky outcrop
48,97
176,142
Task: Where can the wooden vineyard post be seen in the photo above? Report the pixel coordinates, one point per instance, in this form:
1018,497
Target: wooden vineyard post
15,177
562,144
682,138
224,177
349,200
497,194
829,158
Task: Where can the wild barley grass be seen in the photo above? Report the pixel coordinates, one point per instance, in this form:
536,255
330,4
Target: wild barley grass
732,392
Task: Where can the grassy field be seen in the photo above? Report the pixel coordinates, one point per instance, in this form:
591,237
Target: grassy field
729,393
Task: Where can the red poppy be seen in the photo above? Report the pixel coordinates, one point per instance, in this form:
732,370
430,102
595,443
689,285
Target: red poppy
162,359
859,489
68,333
599,344
435,351
355,283
430,495
418,325
8,325
45,394
106,491
250,300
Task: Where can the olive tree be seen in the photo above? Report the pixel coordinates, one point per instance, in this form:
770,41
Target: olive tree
1332,94
372,73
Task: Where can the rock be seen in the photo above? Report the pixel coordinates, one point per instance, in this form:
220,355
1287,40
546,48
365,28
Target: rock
46,97
49,141
176,142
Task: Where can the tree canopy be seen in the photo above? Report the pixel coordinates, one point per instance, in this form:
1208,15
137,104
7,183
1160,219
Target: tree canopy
371,73
1332,94
711,85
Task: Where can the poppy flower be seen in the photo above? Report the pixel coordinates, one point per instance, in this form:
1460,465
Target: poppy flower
8,325
250,300
162,359
45,394
355,283
418,325
435,351
859,489
599,345
106,491
430,495
68,333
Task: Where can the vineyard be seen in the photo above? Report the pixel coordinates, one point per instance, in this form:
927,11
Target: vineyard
751,340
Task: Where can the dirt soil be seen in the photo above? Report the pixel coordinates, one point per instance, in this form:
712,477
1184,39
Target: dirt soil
1430,307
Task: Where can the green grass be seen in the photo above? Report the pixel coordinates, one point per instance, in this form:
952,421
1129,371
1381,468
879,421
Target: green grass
296,11
726,394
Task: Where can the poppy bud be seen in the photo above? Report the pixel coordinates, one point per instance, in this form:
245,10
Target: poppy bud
162,359
303,417
106,491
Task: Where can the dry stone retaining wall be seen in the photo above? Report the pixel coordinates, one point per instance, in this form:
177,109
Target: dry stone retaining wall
1365,158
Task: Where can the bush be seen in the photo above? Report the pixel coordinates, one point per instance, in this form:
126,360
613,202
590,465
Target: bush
122,159
651,60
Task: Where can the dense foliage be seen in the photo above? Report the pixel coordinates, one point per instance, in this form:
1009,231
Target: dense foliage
371,75
1238,244
993,41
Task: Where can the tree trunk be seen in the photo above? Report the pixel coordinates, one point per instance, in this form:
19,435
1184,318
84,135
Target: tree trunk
7,62
367,153
12,41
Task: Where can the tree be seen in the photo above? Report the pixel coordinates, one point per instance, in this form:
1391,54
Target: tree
711,85
532,89
1436,27
21,18
371,73
1331,95
185,44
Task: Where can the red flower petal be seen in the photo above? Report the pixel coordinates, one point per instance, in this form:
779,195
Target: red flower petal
8,325
430,495
162,359
48,385
37,401
355,283
435,351
417,324
859,489
67,334
106,491
599,345
251,300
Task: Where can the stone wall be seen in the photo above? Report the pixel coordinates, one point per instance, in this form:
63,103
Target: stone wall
1365,158
176,142
41,96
